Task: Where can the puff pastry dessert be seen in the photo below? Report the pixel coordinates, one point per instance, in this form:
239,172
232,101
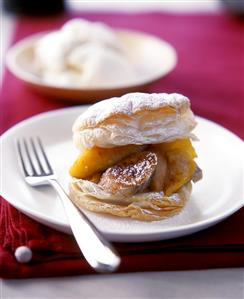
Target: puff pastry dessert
136,157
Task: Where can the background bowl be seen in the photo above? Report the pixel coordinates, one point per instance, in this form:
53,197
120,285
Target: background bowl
152,58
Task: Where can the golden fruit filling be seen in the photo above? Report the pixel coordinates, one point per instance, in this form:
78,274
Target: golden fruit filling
175,163
181,166
99,159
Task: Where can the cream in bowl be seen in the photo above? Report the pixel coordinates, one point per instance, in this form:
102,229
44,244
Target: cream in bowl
87,61
83,54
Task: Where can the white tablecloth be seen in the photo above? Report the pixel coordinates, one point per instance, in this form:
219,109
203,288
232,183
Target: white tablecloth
221,284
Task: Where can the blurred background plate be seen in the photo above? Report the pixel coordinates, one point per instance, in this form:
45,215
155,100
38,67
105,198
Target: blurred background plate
152,58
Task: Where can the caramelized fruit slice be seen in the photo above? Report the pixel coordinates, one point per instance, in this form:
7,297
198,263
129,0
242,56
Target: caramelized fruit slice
131,175
180,171
180,165
98,159
159,177
179,144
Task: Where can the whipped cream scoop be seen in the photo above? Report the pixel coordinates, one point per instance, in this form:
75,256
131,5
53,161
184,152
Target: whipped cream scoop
83,54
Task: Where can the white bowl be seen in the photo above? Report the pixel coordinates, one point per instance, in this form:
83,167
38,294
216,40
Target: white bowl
152,58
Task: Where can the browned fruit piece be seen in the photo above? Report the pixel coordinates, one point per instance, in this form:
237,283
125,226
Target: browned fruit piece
181,169
158,179
180,164
130,176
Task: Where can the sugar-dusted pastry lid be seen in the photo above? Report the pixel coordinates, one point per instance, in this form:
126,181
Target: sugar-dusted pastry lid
135,118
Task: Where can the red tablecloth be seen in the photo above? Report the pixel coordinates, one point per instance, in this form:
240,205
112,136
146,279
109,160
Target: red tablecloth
210,72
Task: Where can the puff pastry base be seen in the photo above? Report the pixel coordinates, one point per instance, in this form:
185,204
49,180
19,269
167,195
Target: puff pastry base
155,206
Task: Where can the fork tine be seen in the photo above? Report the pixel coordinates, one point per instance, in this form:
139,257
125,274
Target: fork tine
37,156
21,158
44,155
29,157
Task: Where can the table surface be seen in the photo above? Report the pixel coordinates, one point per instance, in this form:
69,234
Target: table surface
215,283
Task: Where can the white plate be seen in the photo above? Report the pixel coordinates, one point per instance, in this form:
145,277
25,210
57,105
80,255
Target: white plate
217,196
151,57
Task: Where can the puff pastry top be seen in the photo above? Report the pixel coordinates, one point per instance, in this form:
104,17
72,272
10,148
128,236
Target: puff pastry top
135,118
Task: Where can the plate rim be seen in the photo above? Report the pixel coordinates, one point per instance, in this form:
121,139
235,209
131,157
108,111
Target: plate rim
118,235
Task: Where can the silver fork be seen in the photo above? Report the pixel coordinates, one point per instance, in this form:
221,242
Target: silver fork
37,170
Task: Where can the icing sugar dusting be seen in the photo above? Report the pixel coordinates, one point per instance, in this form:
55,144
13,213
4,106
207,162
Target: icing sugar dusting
131,175
127,105
134,173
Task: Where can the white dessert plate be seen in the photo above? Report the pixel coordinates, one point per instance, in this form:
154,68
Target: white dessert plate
218,195
151,57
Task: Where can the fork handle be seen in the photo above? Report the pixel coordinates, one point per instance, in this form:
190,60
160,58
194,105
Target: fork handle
98,252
